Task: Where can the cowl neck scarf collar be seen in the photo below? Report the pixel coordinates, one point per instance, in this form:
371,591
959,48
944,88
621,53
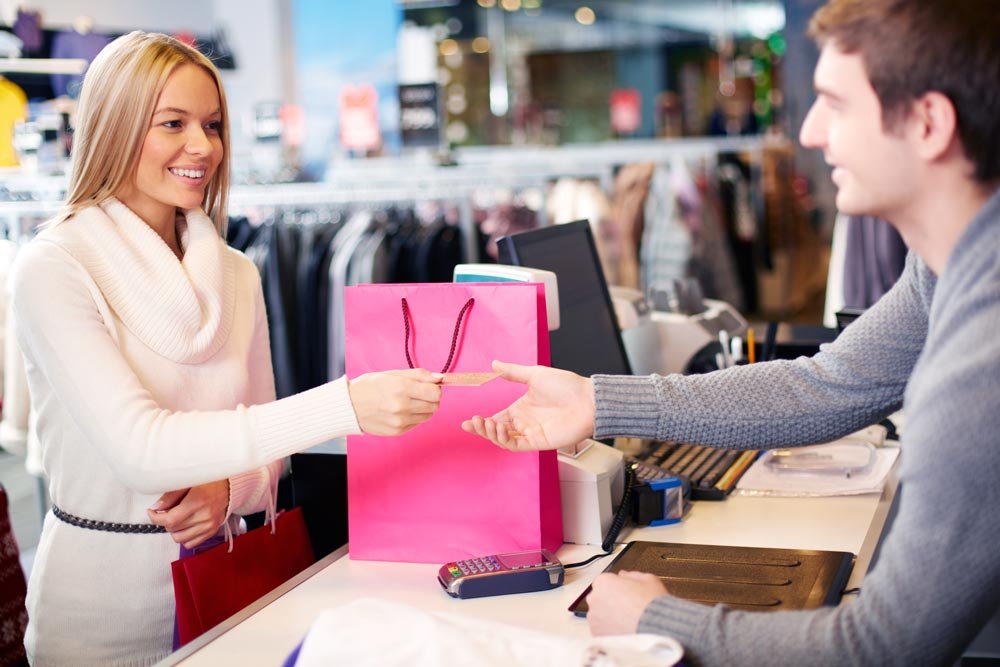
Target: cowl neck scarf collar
181,309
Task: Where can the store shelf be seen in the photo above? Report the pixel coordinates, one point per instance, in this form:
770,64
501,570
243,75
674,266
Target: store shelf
43,65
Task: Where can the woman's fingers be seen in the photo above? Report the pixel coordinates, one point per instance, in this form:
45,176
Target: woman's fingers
428,392
193,536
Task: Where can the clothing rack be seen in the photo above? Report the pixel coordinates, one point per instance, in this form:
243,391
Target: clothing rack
407,180
612,152
514,165
287,195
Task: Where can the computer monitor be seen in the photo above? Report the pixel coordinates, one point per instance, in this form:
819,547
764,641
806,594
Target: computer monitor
588,340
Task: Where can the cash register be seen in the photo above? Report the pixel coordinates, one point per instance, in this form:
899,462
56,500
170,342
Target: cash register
665,335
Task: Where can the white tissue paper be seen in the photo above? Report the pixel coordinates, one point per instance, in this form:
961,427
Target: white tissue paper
369,632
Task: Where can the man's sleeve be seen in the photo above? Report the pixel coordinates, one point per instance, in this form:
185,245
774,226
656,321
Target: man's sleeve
851,383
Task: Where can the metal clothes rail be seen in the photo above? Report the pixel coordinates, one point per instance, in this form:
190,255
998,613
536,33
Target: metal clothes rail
412,178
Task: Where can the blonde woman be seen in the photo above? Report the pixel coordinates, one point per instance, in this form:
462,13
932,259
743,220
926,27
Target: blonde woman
146,349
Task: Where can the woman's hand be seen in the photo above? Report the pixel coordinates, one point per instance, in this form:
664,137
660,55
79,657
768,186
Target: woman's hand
393,402
193,515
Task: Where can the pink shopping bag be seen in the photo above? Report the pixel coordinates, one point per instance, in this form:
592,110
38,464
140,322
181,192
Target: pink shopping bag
436,493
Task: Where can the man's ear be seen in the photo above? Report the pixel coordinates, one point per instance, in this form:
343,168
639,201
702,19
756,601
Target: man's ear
936,124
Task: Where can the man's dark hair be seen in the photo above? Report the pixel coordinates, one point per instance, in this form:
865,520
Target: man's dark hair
912,47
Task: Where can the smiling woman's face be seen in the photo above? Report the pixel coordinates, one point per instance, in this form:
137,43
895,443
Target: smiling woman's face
182,149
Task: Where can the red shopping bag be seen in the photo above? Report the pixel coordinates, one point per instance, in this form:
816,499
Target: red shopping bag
212,585
436,493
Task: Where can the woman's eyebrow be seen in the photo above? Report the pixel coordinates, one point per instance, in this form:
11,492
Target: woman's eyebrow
183,112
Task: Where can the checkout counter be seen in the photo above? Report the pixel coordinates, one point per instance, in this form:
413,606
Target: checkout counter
266,632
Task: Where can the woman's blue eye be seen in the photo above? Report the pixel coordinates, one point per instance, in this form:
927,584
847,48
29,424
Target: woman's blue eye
215,125
172,124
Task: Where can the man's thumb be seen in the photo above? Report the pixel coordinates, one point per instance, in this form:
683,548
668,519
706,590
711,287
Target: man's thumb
513,372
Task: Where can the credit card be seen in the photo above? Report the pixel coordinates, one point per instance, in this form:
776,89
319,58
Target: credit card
468,379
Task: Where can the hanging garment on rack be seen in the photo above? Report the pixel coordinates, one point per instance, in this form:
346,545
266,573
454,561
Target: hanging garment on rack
412,268
503,220
73,44
28,27
439,252
240,233
313,303
307,259
303,303
288,237
712,262
278,318
323,305
572,199
741,224
257,250
361,268
873,260
622,234
401,243
665,249
353,234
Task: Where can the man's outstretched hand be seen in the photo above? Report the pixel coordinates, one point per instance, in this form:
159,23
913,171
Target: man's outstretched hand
557,411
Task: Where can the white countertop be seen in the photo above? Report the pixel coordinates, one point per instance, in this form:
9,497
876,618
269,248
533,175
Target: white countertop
266,632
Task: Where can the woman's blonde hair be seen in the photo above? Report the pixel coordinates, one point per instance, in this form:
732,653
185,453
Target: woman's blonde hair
116,107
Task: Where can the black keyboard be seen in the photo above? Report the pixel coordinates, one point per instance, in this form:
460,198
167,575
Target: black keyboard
711,471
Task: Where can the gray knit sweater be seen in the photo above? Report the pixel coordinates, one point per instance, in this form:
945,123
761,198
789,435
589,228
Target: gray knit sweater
931,346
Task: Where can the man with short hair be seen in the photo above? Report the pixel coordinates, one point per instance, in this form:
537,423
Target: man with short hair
908,115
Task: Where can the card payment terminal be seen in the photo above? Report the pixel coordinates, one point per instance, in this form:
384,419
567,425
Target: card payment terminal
501,574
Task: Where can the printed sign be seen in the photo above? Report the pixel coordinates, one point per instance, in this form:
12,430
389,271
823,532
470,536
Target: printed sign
419,114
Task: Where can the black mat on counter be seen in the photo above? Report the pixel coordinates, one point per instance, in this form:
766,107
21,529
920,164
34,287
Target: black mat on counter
750,578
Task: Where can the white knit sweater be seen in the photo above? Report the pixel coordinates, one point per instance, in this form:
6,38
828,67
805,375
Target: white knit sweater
148,374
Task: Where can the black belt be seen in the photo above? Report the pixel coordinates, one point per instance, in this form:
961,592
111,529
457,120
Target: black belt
106,526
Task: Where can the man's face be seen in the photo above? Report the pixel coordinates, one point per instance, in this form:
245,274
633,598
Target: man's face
874,170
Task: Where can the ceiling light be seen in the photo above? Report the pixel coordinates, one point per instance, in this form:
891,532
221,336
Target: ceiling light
448,47
480,45
585,16
487,3
511,5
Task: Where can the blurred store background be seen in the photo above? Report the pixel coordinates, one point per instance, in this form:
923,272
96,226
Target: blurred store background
669,124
